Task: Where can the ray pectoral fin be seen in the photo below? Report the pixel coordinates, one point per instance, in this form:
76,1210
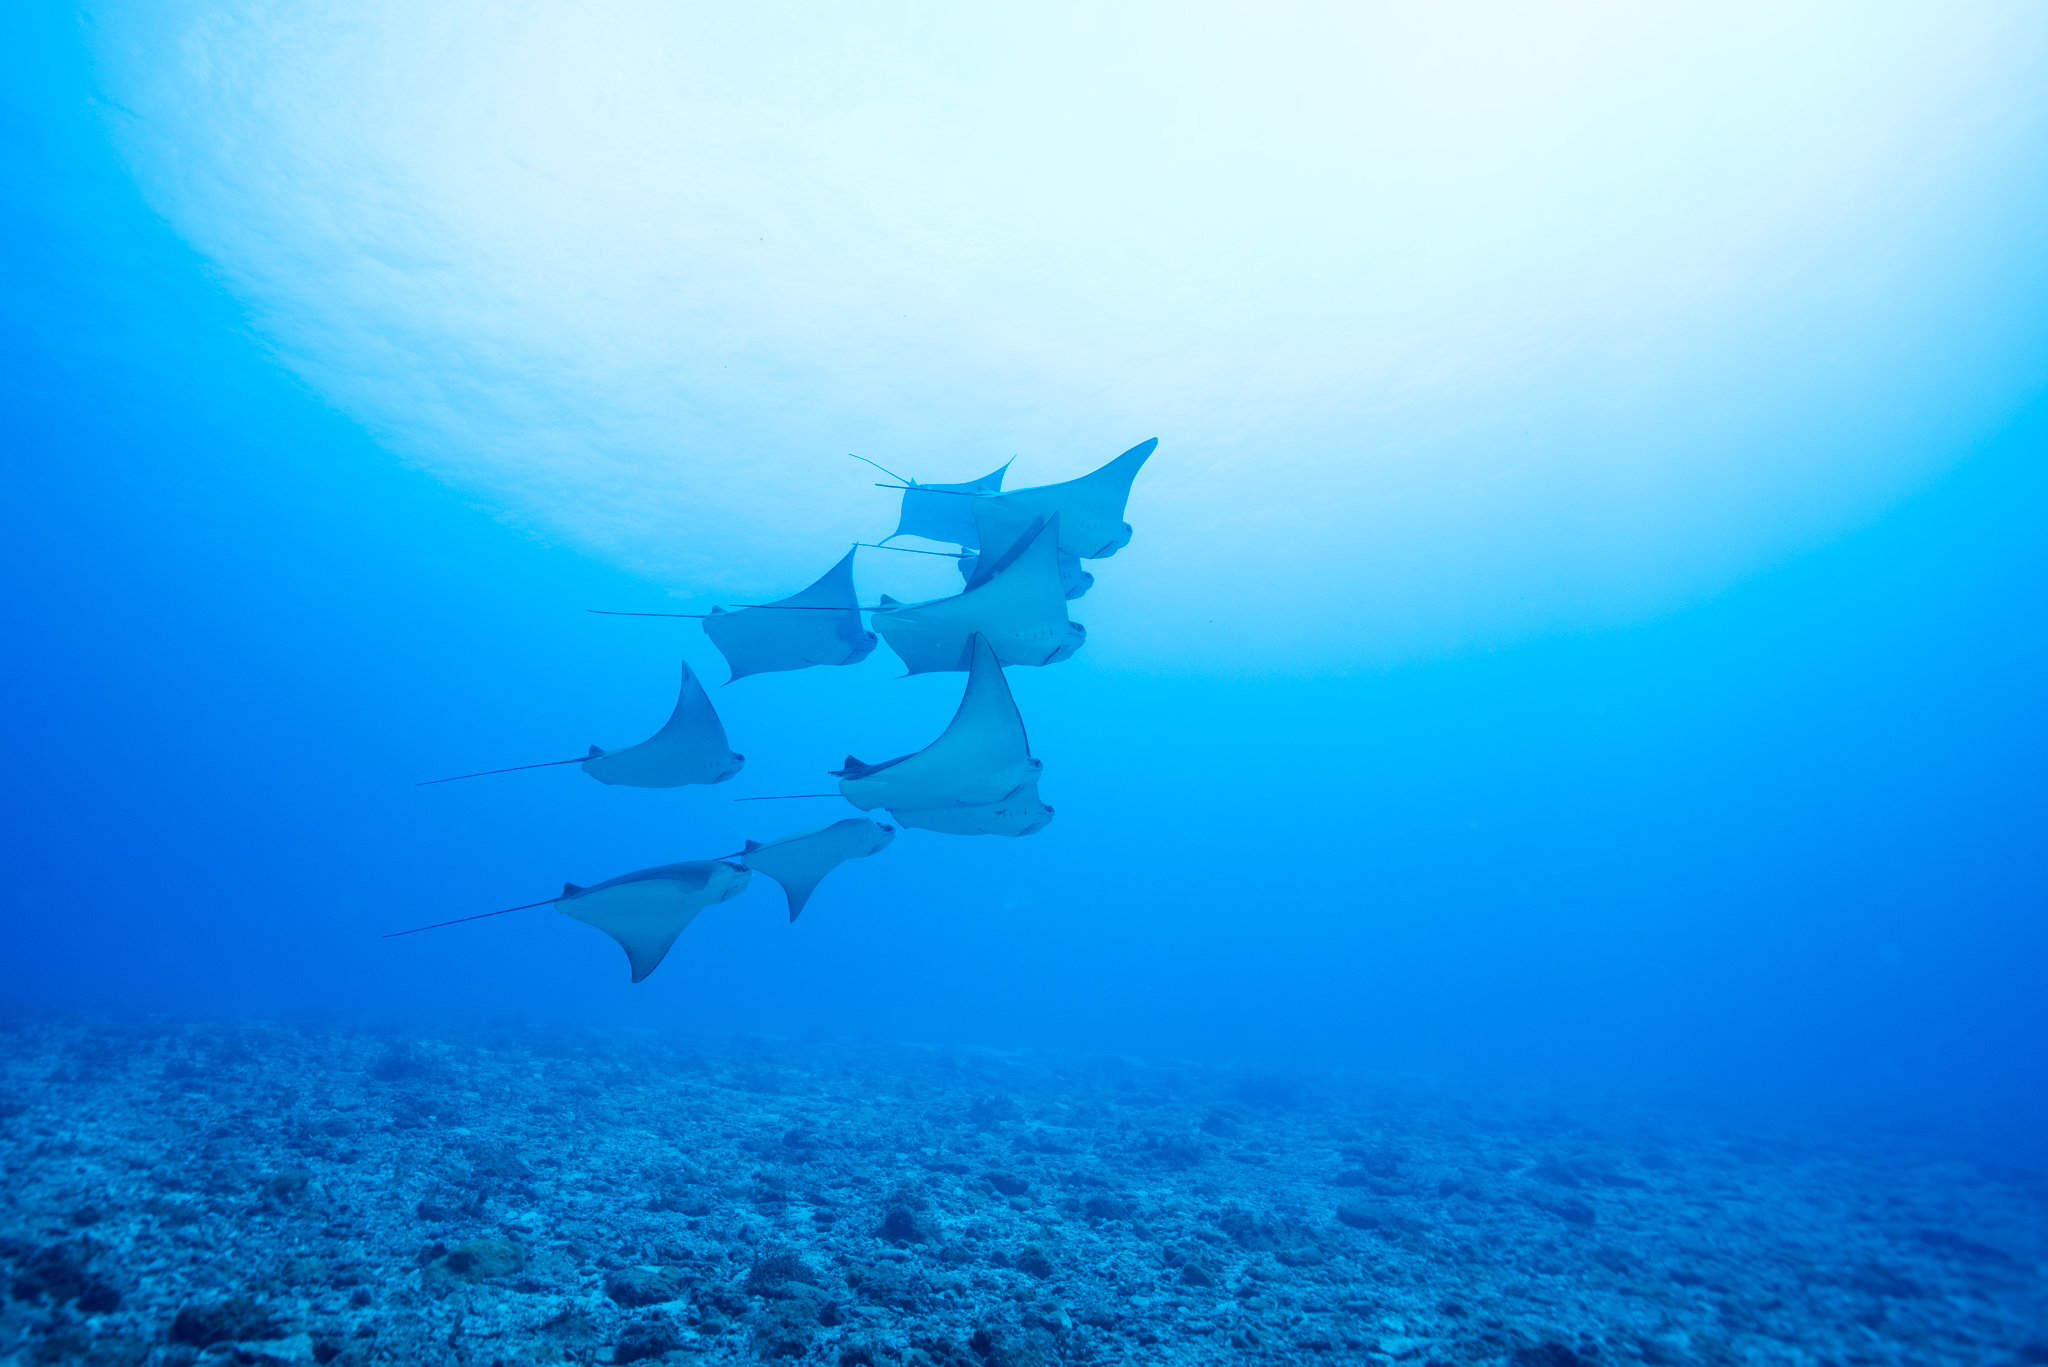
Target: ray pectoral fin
801,861
690,747
645,917
806,629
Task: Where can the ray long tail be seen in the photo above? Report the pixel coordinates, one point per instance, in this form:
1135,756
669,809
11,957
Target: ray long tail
545,764
392,935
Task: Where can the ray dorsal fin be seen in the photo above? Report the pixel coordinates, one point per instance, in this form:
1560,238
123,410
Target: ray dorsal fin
855,769
571,890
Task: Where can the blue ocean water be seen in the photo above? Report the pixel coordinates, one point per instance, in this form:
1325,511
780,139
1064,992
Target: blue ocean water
1775,854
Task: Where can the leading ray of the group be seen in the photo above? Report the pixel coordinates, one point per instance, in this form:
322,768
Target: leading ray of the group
1020,556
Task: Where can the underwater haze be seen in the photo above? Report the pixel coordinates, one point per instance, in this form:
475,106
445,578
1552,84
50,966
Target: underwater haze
1547,864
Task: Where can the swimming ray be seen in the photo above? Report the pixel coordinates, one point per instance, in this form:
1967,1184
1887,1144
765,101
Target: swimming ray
690,748
1090,509
943,512
646,911
1015,600
800,862
755,641
643,911
977,778
1074,580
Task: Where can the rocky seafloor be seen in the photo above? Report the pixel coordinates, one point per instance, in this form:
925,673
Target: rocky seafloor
182,1192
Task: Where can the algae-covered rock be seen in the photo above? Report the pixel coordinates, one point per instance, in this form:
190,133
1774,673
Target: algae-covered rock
1033,1261
638,1286
902,1225
785,1326
479,1260
60,1273
287,1185
202,1326
285,1352
775,1271
647,1338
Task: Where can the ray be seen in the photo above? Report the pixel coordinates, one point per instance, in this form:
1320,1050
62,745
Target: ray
1015,600
829,634
936,512
1090,509
1074,580
800,862
977,778
646,911
690,748
529,906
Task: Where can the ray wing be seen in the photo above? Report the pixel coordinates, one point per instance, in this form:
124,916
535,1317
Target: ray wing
1016,601
1090,509
944,512
690,748
800,862
819,625
646,911
982,756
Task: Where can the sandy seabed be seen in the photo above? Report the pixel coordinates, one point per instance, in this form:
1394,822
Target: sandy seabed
226,1191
